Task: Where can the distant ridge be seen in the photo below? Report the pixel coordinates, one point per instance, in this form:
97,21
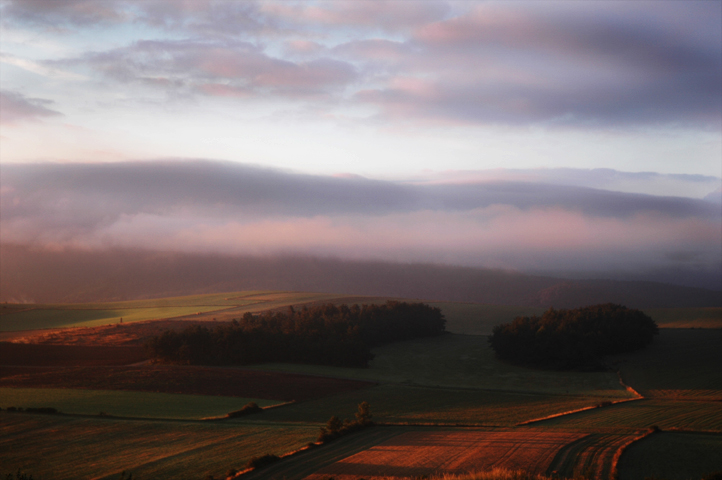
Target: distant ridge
68,276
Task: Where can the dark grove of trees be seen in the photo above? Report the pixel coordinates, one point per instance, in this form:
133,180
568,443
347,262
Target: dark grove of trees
329,334
573,339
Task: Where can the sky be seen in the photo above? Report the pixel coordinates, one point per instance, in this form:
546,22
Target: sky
538,136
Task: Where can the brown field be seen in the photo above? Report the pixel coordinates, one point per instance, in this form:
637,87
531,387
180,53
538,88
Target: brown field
416,454
69,355
231,382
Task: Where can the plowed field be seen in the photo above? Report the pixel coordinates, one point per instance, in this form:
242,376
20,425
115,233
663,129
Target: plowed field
415,454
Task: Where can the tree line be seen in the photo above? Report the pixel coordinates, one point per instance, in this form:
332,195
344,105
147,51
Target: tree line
339,335
573,339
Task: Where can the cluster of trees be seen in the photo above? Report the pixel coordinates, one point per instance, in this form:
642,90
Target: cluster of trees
336,428
339,335
573,339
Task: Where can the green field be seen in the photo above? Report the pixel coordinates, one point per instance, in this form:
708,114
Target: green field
125,404
672,455
60,448
679,363
463,361
642,414
408,404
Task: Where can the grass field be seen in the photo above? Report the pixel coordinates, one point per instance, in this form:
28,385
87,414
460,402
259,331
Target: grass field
125,404
60,448
407,404
678,364
639,415
463,361
478,319
672,455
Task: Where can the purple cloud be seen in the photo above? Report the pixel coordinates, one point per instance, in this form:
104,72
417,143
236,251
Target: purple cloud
15,108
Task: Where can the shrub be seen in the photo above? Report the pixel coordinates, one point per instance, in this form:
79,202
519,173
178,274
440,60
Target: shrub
48,410
335,428
248,409
19,475
262,461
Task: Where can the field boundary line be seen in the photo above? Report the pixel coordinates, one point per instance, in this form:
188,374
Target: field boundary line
228,417
627,387
613,471
578,410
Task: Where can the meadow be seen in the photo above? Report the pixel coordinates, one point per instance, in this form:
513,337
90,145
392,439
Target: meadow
427,394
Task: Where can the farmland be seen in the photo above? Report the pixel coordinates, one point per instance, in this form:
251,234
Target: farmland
443,402
207,307
679,364
422,405
464,361
230,382
126,404
414,454
666,414
61,447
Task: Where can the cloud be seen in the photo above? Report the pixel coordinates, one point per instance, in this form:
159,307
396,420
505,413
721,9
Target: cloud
51,13
16,108
584,65
392,16
649,183
202,206
217,68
